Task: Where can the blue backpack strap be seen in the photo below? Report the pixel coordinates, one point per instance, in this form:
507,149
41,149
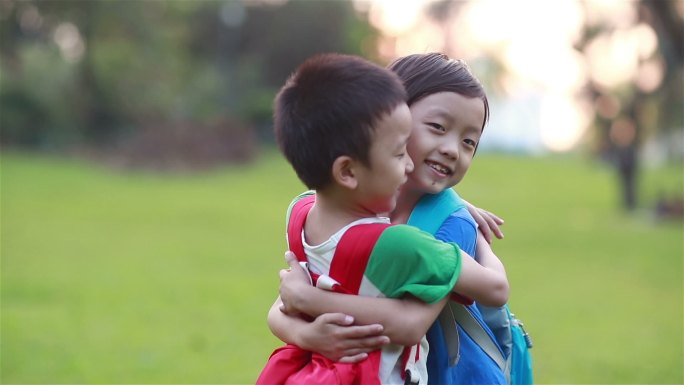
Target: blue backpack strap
433,209
428,215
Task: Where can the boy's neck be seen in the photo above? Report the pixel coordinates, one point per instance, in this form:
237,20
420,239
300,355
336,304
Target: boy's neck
330,214
405,204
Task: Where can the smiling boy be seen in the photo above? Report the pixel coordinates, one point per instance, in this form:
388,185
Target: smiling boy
343,124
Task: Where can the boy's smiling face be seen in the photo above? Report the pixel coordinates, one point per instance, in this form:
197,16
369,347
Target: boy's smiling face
446,130
379,184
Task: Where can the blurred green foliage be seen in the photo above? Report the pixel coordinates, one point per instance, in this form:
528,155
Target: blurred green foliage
140,278
99,72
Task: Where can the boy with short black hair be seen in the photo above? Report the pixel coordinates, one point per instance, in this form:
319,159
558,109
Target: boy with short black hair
343,124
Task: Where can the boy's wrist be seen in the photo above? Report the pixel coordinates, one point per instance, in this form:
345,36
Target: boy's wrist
295,298
302,299
298,336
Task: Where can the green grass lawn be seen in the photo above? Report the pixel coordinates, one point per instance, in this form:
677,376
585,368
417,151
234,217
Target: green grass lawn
112,277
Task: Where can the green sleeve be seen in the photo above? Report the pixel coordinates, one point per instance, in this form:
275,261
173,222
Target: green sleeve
406,260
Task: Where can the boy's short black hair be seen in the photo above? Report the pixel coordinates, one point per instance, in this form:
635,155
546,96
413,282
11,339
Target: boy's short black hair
328,108
431,73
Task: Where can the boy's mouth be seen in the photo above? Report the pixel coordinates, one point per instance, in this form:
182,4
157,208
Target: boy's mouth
440,168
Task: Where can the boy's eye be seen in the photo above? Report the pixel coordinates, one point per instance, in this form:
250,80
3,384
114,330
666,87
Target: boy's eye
470,142
437,127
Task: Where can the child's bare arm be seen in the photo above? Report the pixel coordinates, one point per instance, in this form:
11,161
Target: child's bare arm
405,321
485,255
486,281
331,335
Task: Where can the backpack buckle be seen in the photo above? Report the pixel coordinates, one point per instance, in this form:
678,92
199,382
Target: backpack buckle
526,335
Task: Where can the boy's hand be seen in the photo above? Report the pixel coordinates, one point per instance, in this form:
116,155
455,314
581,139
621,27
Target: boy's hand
333,336
487,222
293,282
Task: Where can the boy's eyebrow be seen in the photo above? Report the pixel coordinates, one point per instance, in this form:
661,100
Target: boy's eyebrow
477,130
444,113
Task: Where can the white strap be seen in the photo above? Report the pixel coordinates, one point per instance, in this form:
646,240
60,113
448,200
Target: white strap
305,266
411,369
325,282
478,334
447,321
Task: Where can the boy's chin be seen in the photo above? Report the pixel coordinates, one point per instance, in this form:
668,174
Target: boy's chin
435,188
428,186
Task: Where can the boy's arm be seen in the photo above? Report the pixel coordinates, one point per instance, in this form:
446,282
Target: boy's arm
331,335
460,231
426,267
405,321
486,281
485,255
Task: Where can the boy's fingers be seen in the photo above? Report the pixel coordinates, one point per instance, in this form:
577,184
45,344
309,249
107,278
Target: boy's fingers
365,335
482,225
498,233
337,319
498,220
494,223
491,227
486,231
370,343
368,331
291,259
372,332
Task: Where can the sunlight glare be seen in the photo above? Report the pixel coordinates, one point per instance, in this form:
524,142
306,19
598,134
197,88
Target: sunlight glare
613,58
395,17
561,122
536,40
539,49
616,13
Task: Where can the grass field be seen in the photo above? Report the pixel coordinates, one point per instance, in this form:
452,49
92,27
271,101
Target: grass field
111,277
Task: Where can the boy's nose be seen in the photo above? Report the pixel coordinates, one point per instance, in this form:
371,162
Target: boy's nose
409,164
449,150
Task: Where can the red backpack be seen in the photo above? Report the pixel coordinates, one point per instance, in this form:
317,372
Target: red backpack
293,365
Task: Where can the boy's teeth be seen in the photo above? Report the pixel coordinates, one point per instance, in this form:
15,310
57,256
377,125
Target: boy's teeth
439,168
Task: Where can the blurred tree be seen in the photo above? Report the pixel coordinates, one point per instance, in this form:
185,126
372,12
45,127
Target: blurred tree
132,74
627,114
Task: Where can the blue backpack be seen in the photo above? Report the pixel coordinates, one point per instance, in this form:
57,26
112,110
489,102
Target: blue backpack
511,338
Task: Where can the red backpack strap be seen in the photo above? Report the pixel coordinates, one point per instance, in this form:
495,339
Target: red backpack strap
295,225
352,253
347,268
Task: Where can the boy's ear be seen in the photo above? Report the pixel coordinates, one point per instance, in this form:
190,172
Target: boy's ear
344,172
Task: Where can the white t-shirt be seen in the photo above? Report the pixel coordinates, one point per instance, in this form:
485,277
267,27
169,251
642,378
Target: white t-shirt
319,259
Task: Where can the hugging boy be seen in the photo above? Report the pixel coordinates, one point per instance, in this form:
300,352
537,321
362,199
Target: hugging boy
343,124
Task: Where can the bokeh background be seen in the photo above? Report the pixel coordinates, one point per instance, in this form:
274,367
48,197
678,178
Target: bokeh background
143,199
